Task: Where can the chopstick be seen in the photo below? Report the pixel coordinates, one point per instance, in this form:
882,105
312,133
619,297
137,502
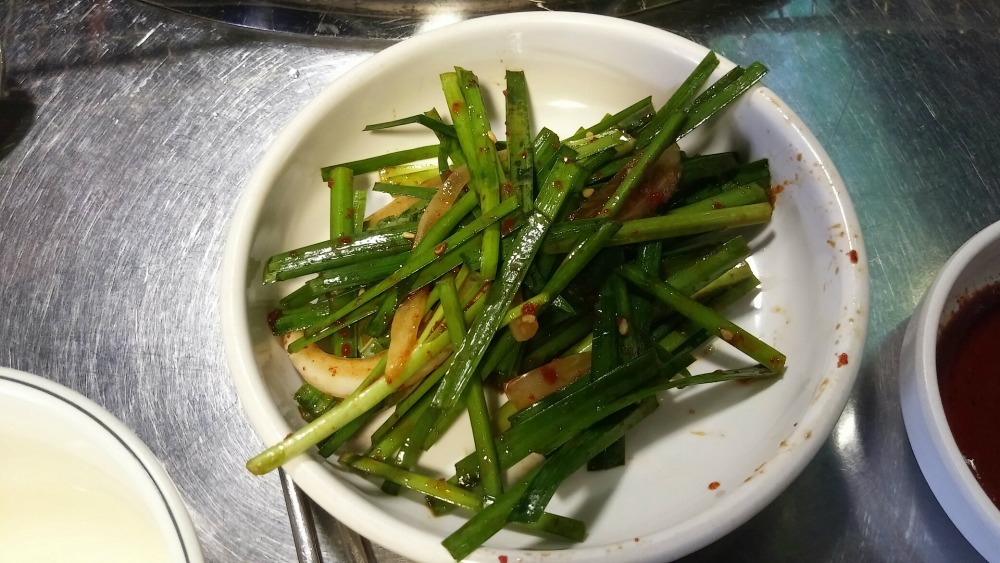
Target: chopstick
356,547
301,519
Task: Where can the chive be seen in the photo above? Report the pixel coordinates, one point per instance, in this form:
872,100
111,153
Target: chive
335,253
639,111
409,191
735,197
420,258
468,112
482,435
708,319
713,104
563,235
561,526
434,125
375,163
571,267
572,455
312,402
663,138
564,177
520,155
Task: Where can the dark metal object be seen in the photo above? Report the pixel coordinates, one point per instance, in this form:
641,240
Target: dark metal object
382,19
301,520
139,128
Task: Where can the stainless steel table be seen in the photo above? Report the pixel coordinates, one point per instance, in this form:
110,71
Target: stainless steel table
129,132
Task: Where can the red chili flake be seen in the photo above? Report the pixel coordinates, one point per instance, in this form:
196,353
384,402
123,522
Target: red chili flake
505,93
713,485
636,540
853,255
841,360
330,184
508,189
345,350
523,155
718,205
559,185
456,107
344,240
272,318
345,333
549,375
798,157
775,190
555,146
293,253
439,249
529,308
507,225
502,558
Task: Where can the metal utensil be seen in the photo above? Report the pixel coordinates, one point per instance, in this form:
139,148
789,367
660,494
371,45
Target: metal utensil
357,549
301,519
385,19
3,69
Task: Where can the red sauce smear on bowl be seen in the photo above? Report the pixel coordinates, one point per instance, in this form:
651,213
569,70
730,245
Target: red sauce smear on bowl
969,378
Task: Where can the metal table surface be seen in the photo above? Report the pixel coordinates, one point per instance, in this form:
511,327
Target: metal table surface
129,132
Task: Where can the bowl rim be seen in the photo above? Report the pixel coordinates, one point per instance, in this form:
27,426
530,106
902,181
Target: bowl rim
929,434
149,472
314,475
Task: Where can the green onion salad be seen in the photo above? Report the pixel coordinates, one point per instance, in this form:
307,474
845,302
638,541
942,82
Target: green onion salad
548,287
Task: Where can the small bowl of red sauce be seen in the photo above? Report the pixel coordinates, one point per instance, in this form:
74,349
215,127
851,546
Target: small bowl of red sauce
950,389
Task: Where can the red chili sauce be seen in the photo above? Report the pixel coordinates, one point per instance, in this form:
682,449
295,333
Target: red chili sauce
969,378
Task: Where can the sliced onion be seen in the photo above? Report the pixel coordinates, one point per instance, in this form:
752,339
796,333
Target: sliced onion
404,331
656,188
443,199
330,374
397,206
593,204
542,381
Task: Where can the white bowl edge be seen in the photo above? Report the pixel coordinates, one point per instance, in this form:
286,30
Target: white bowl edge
934,447
128,440
311,474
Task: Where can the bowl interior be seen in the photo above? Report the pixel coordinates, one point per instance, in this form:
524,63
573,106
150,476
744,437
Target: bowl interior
972,267
750,439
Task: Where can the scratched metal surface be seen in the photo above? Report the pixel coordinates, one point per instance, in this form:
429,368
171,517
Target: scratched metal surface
128,133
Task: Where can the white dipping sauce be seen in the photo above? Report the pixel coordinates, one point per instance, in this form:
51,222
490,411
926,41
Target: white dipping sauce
70,492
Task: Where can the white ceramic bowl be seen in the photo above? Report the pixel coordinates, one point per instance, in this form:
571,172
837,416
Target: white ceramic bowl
750,439
975,265
81,487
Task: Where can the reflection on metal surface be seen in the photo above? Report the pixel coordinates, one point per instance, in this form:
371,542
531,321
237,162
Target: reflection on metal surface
384,19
